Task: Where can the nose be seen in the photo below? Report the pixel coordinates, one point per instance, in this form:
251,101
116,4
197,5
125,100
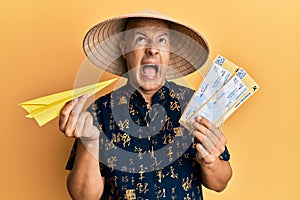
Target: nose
151,50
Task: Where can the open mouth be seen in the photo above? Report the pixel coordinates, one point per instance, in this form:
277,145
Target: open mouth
149,70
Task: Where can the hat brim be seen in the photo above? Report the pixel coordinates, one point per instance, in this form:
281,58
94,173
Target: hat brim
190,50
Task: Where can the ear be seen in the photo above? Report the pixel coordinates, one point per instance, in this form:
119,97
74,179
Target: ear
123,48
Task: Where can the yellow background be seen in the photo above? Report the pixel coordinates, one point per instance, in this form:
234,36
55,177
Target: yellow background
41,53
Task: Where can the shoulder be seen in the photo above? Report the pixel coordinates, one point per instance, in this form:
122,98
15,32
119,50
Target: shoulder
104,98
107,98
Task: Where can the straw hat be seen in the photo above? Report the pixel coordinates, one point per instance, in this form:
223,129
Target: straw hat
190,49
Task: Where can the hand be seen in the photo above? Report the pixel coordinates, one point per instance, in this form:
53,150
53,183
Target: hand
211,140
75,123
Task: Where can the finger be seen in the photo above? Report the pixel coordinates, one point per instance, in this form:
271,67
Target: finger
218,142
203,154
204,140
90,137
212,128
65,112
205,131
208,124
210,142
93,132
79,129
213,139
74,114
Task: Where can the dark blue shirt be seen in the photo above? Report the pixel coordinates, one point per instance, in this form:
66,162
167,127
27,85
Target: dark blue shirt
145,153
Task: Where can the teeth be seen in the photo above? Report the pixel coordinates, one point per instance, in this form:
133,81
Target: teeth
150,69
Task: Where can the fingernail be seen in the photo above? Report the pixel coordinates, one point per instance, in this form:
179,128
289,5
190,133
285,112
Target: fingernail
191,121
84,96
74,101
199,117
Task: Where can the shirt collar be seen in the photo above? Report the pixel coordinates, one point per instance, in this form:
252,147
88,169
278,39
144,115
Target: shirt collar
136,97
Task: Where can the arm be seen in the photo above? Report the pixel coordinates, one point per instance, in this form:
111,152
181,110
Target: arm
85,180
215,172
216,175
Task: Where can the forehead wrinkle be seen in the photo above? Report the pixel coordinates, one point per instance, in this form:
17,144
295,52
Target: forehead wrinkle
133,23
139,23
147,32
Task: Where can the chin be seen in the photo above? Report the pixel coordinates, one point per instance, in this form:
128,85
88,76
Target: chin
150,87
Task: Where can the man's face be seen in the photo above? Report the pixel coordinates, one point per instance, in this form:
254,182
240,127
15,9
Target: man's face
146,48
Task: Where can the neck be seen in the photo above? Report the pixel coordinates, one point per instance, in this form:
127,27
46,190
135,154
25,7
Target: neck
147,92
147,96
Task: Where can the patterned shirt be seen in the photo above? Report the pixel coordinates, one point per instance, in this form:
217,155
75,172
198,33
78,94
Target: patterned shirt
145,153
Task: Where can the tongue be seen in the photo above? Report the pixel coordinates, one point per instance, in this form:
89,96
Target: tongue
148,70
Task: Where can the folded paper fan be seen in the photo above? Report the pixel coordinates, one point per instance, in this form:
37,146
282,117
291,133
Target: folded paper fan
46,108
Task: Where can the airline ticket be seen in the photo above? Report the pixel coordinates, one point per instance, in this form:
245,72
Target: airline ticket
225,87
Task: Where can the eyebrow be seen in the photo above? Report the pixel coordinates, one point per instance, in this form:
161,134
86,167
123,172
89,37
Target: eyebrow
163,34
136,33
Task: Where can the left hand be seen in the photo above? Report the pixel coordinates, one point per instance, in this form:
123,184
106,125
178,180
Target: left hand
211,140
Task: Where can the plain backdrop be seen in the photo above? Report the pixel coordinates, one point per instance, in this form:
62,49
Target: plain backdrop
41,53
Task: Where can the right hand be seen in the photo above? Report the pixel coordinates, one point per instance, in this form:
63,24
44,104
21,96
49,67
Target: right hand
76,123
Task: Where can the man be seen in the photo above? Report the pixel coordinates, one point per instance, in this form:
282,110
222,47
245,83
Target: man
133,132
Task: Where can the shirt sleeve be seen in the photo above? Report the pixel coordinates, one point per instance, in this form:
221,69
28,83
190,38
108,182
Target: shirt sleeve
70,163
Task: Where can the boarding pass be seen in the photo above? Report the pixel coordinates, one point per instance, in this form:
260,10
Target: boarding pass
225,88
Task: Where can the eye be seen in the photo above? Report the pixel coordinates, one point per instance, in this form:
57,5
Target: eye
162,40
140,39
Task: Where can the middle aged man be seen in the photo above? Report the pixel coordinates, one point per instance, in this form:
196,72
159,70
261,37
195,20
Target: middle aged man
134,132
